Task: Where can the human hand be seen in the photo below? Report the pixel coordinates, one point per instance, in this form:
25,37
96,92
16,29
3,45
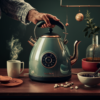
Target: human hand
35,16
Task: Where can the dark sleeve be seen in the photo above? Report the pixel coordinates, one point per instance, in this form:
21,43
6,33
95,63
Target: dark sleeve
16,9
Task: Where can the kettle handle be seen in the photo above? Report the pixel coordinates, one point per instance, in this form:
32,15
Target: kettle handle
58,23
40,23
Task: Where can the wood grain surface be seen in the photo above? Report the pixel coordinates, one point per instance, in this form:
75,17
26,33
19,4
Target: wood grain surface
33,88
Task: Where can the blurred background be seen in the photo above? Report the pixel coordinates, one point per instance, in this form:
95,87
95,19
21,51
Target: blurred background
9,27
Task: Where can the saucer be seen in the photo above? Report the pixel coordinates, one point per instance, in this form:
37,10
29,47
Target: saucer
13,82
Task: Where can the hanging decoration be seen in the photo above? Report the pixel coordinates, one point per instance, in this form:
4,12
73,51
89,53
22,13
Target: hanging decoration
79,16
67,24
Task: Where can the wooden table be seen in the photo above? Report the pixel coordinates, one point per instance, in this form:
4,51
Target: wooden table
33,88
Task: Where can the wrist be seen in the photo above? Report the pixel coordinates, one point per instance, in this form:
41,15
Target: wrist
31,14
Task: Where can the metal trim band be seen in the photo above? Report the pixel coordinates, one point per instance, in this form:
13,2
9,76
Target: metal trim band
54,36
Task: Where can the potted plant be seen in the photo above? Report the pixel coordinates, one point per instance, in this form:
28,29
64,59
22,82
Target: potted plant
93,50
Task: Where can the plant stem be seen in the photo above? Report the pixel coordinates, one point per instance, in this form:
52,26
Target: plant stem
94,46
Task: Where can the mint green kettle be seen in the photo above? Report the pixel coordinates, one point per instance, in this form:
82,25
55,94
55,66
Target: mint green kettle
50,60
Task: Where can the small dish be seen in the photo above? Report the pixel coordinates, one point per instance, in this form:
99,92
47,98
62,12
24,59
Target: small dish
88,81
13,82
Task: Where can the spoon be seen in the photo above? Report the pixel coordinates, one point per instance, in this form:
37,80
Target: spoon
95,73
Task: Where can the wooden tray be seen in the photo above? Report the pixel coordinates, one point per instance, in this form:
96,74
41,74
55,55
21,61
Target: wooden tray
13,82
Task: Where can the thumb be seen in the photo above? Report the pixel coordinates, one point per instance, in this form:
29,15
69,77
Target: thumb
34,21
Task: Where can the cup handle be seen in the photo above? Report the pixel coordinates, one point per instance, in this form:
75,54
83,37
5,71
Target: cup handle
23,67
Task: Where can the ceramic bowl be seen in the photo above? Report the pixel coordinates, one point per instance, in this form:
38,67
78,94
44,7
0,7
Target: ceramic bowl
89,66
88,81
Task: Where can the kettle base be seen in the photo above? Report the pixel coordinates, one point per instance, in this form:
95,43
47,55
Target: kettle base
50,79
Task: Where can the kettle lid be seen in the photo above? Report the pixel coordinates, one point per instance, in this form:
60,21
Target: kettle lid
51,34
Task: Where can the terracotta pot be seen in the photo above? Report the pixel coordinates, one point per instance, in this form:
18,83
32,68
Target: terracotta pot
89,66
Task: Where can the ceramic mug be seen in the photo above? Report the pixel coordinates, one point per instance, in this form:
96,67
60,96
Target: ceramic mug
14,67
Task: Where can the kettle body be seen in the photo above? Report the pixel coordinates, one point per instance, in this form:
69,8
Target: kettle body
49,60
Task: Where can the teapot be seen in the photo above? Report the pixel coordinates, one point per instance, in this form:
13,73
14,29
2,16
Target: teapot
50,60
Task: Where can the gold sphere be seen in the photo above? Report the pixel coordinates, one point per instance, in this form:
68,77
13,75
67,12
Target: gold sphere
79,17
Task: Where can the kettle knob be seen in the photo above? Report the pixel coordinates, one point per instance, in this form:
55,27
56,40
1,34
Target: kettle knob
50,29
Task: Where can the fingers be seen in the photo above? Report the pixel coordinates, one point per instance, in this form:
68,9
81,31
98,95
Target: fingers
46,19
53,17
34,21
52,26
44,26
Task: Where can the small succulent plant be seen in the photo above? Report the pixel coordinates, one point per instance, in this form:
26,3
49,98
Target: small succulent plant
91,28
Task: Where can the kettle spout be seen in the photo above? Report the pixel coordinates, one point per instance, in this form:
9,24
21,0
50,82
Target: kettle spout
74,58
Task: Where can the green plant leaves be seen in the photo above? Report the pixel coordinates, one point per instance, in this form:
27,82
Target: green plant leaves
86,33
93,25
97,29
90,20
89,35
86,19
90,26
86,29
96,33
91,32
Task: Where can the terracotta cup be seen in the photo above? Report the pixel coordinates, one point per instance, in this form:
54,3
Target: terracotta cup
89,66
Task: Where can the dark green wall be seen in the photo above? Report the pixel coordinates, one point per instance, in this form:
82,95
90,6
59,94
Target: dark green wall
9,27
